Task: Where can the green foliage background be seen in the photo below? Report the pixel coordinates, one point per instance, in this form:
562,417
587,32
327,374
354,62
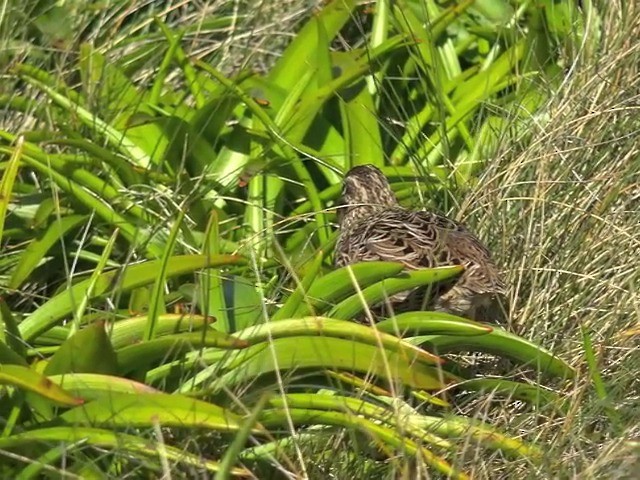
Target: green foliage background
166,164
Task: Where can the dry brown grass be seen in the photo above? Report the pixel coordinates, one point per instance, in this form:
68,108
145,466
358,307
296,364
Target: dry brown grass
561,209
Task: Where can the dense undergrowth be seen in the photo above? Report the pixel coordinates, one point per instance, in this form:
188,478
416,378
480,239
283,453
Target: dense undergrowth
169,173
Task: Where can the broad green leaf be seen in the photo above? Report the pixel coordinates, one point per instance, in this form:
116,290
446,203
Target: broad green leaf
131,330
361,127
93,386
299,54
243,301
302,352
212,301
148,409
87,351
332,328
31,381
9,356
141,355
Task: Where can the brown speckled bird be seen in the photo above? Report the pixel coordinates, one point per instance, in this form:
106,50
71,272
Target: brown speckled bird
373,226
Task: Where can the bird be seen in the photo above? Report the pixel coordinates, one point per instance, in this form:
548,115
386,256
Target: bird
373,226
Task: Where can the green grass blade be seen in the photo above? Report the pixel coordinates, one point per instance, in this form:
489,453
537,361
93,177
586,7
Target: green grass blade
78,313
156,304
8,179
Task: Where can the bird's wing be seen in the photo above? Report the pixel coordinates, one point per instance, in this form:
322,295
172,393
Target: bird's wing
397,236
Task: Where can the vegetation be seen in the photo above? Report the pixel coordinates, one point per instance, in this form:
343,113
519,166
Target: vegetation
169,305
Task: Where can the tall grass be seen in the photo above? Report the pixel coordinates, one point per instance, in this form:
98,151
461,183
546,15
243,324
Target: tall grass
560,206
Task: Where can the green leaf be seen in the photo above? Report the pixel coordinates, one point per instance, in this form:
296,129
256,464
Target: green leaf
292,304
8,179
212,301
130,277
10,357
302,352
116,138
148,409
156,304
131,330
87,351
383,434
31,381
10,335
332,328
40,245
361,127
94,386
372,295
501,342
411,324
300,53
338,284
141,355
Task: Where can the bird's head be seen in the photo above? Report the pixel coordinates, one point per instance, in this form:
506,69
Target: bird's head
364,190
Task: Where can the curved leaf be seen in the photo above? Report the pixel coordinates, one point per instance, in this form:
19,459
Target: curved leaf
354,305
149,409
133,276
292,353
32,381
93,386
411,324
329,327
336,285
501,342
143,354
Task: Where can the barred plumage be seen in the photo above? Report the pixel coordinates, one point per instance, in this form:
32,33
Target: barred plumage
373,226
